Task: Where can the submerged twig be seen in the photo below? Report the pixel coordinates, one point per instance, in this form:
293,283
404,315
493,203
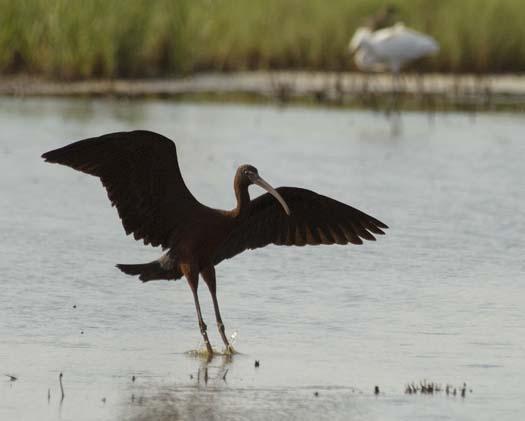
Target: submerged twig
61,386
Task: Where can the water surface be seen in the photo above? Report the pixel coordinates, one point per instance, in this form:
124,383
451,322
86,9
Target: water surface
439,298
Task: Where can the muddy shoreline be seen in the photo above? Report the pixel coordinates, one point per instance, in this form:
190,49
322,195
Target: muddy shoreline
344,89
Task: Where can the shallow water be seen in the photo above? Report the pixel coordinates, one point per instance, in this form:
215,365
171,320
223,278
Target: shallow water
439,298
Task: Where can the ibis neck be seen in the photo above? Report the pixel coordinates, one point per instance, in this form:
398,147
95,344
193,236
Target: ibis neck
243,199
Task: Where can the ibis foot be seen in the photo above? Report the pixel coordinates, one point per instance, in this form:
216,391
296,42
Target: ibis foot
229,350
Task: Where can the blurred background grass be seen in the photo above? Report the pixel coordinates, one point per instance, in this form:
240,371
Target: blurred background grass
75,39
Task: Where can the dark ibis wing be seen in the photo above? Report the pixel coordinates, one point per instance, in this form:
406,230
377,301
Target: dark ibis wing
314,219
141,174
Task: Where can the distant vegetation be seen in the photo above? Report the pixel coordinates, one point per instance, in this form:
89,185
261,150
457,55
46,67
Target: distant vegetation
74,39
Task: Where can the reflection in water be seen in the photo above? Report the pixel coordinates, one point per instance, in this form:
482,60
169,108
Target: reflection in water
180,404
172,402
203,376
201,399
210,397
396,123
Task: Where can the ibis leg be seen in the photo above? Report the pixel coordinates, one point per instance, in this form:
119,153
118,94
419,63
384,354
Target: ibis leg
193,281
208,275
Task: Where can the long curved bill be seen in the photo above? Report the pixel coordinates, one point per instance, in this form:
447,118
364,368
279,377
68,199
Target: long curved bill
261,183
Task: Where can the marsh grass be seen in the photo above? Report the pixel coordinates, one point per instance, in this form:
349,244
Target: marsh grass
75,39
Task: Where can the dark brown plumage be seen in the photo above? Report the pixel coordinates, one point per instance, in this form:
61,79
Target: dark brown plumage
141,174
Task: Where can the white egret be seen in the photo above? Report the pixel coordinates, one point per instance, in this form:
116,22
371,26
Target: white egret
389,48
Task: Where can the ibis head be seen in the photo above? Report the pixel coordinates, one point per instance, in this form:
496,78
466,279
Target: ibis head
248,174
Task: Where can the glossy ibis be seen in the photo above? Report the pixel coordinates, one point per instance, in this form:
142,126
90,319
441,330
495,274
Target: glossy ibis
141,174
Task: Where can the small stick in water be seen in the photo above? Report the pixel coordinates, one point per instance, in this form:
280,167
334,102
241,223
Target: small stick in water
12,378
48,395
61,387
224,375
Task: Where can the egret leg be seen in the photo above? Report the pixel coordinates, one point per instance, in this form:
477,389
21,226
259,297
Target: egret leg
193,281
208,275
396,92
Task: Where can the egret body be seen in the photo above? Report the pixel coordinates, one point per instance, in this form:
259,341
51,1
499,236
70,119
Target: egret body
389,49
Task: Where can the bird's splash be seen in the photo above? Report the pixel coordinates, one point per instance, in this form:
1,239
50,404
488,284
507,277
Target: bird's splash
202,351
